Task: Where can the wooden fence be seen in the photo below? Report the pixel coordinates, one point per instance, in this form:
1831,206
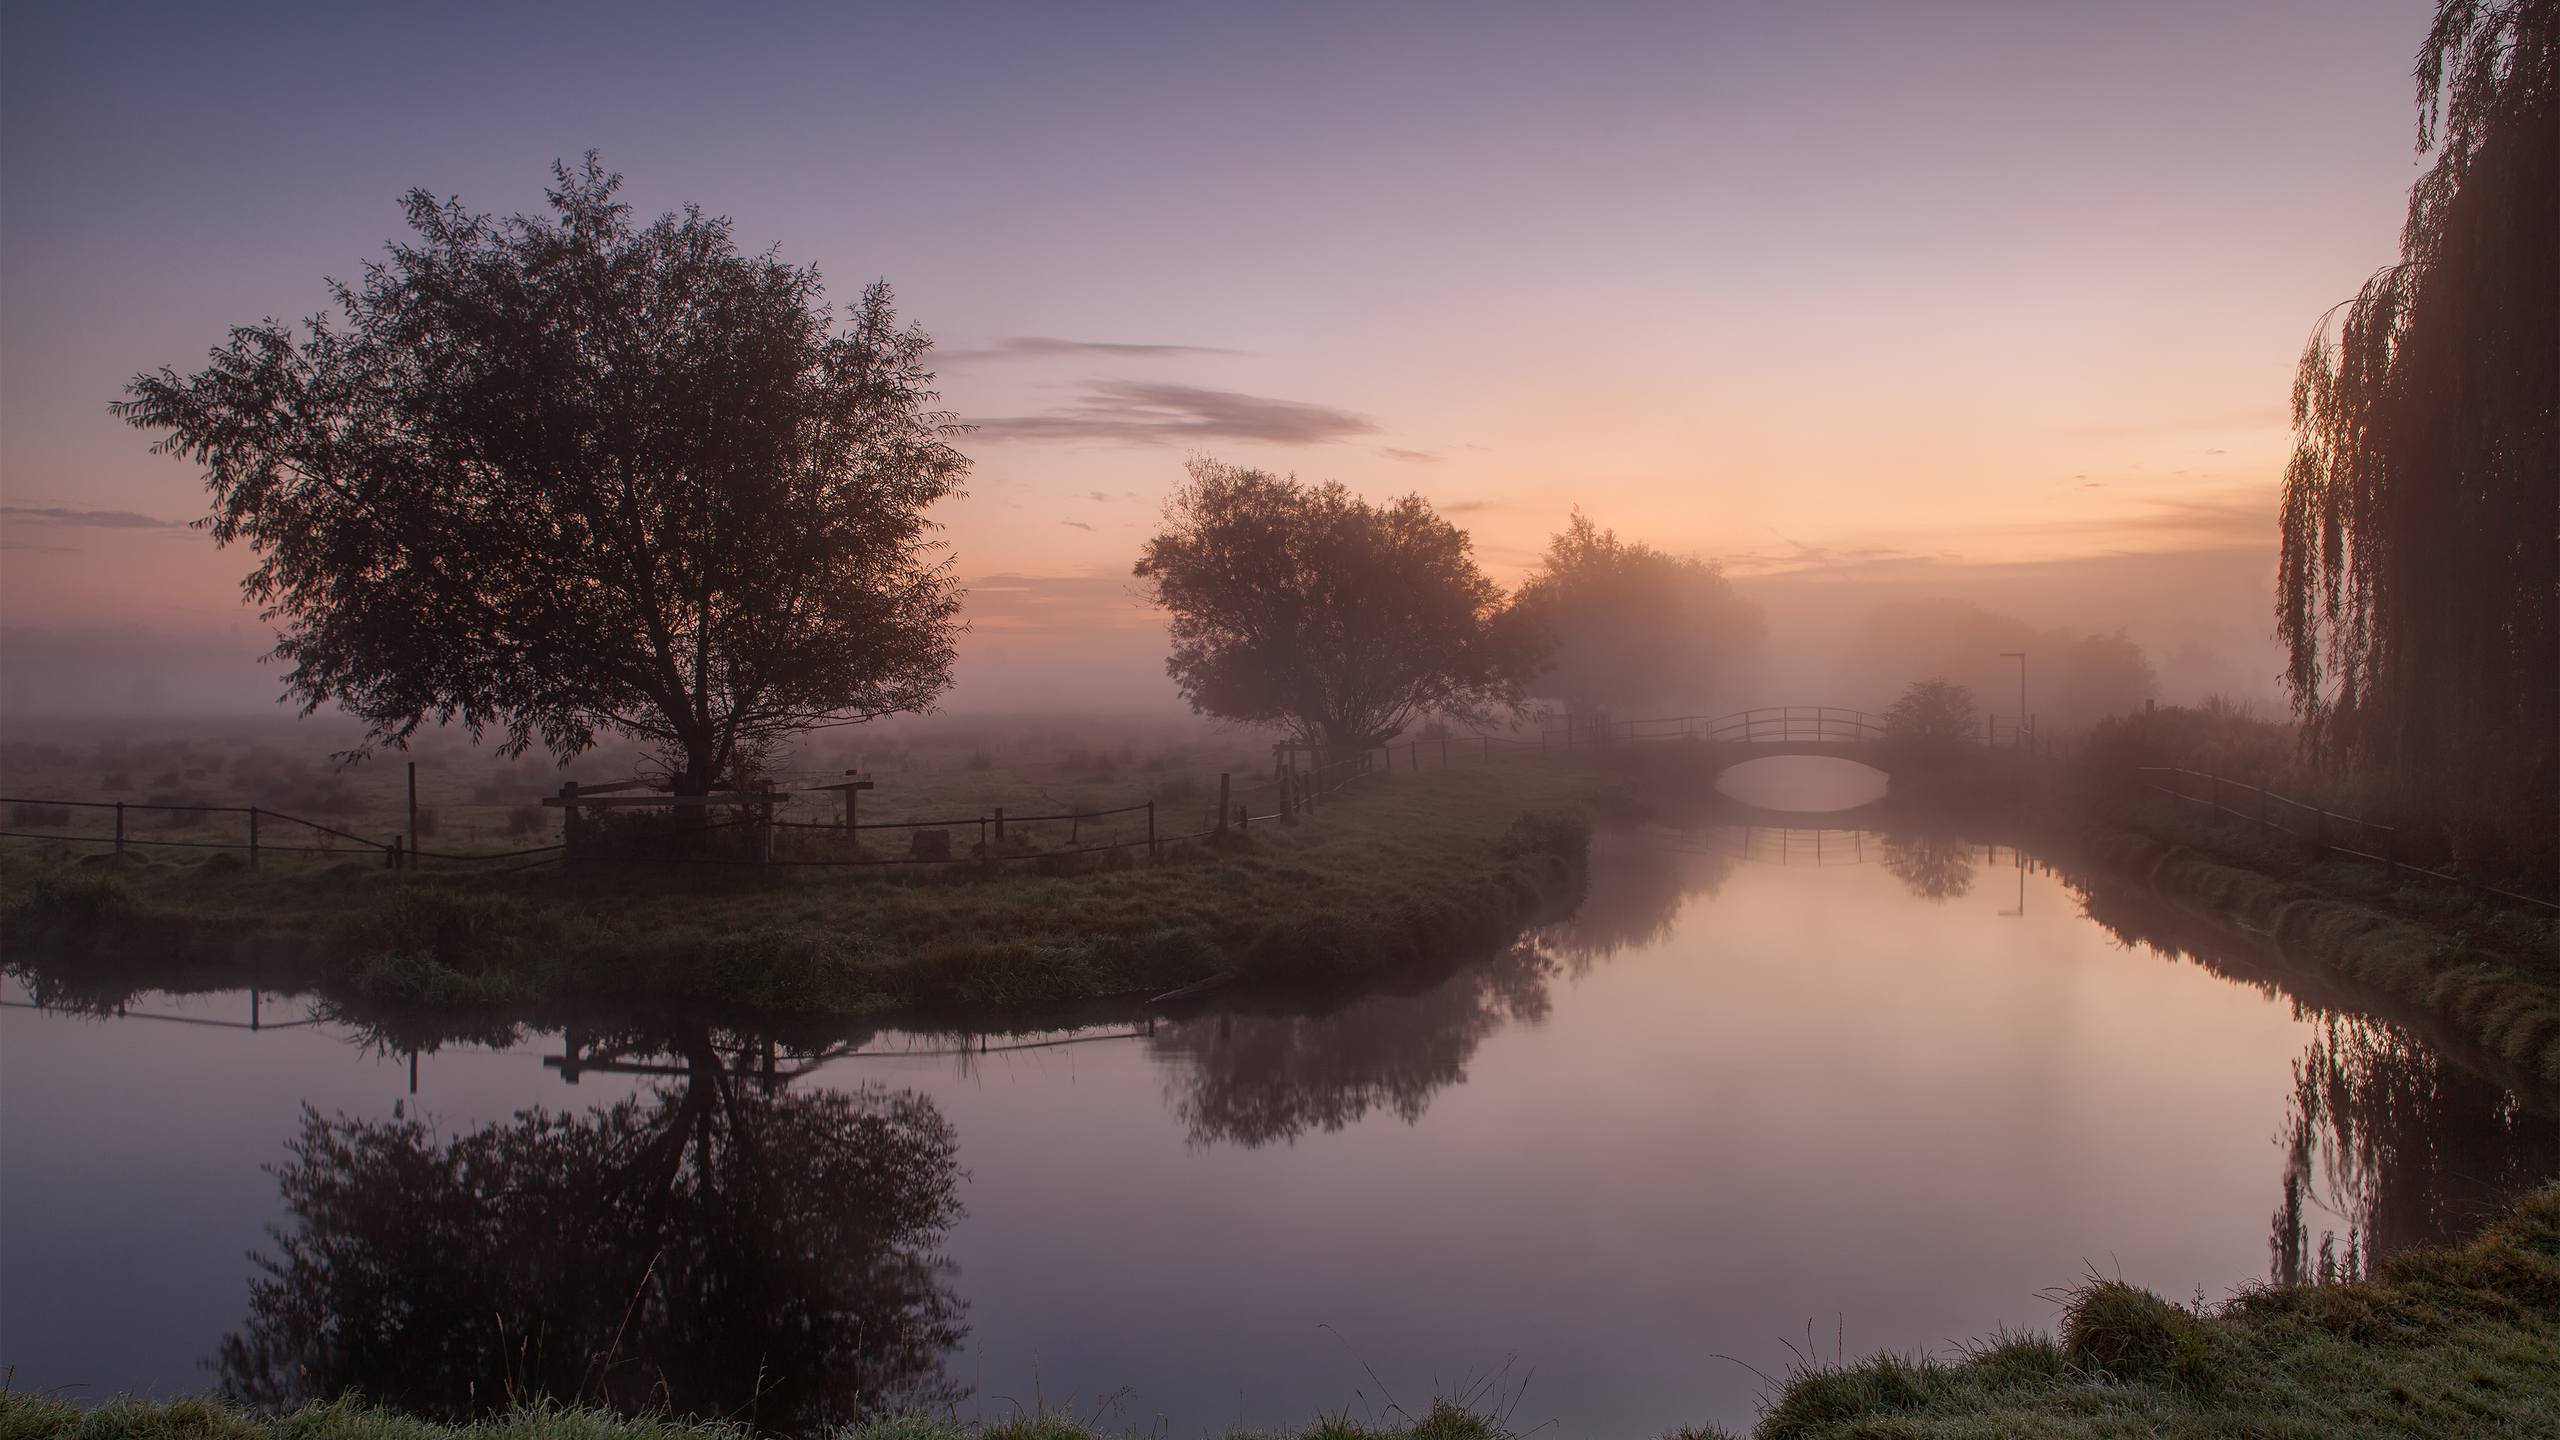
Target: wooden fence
2320,830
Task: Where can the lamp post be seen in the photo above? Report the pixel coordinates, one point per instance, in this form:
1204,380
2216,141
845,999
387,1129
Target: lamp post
2021,657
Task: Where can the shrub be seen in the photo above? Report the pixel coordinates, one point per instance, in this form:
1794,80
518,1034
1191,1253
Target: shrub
2132,1334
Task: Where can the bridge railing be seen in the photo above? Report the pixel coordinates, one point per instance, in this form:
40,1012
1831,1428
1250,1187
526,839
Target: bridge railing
1767,724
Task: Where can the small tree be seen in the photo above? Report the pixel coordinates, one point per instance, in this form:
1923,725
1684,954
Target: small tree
1308,607
1931,713
562,476
1634,626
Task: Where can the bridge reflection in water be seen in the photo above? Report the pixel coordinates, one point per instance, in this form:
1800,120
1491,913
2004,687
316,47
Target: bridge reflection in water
1932,866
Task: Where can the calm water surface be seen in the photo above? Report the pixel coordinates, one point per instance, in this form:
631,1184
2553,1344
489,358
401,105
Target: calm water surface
1769,1086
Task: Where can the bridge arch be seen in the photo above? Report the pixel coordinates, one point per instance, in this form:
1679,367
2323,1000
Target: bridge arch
1723,741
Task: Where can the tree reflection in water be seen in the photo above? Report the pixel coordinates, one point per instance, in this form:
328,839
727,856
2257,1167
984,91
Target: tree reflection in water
2398,1147
1634,896
716,1246
1253,1079
1936,868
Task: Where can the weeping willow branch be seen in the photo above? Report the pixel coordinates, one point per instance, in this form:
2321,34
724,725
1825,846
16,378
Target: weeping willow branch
2420,570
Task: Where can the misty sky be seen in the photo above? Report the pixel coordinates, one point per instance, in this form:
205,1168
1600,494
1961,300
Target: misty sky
1916,295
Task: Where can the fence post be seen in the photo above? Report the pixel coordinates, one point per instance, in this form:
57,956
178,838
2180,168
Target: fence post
999,827
391,854
253,837
1151,832
119,827
764,822
413,807
568,821
1223,801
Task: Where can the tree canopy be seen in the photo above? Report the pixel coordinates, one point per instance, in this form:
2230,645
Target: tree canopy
1633,627
1308,607
2419,585
564,475
1931,712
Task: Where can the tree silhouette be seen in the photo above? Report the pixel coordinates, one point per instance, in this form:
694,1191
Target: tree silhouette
713,1248
1932,713
565,476
1632,626
2418,591
1308,607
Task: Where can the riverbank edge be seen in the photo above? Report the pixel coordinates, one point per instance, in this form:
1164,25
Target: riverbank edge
2457,1341
2502,1000
1402,878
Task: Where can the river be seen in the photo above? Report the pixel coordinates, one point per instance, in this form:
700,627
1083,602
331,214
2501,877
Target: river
1774,1092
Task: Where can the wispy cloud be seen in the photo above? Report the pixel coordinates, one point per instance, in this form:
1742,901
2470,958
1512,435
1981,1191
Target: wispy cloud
1794,555
1042,347
1139,412
1468,507
60,515
1062,604
1418,457
1075,524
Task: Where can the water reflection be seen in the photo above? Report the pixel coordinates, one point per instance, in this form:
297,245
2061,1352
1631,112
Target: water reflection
718,1245
1251,1079
1634,896
2387,1146
1936,868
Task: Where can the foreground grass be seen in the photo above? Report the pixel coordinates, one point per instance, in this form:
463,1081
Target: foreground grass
1403,870
2456,1342
27,1418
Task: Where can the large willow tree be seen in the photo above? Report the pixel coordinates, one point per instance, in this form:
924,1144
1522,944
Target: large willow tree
2421,558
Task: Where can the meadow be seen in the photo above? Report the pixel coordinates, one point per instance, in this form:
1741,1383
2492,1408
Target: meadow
1397,869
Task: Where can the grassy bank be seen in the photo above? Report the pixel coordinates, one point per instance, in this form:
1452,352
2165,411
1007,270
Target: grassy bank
1399,871
2458,1342
2487,976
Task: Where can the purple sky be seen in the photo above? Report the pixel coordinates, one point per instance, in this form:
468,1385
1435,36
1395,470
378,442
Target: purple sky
1902,291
